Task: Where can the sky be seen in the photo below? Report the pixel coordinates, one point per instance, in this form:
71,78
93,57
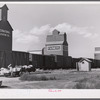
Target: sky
33,22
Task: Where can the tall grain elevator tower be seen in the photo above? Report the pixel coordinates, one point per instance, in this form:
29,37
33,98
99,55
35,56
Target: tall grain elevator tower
5,30
56,44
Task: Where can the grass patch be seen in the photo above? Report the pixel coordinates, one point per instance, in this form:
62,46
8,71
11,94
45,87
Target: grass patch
88,83
33,77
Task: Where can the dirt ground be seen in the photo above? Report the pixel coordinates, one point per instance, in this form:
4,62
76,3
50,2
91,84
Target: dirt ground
65,79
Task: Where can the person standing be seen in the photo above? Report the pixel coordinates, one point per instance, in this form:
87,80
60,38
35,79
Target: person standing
11,69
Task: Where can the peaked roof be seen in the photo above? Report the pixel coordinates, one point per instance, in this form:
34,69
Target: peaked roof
85,60
5,25
5,6
55,31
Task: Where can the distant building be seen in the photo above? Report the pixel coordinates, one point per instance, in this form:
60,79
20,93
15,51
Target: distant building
5,30
97,53
83,64
56,44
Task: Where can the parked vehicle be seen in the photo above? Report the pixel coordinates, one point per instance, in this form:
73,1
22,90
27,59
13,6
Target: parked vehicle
4,72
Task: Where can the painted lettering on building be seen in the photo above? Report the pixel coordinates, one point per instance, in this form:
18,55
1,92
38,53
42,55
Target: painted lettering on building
4,33
54,47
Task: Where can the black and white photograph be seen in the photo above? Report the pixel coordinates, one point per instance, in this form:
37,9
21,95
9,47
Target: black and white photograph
49,46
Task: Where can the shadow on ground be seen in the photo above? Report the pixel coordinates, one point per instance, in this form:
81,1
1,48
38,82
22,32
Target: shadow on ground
4,87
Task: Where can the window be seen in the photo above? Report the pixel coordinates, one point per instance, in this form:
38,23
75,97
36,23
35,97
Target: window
82,62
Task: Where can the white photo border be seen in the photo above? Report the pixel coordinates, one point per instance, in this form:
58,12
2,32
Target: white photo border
44,93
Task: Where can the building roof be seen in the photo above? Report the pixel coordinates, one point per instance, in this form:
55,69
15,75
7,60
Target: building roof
56,42
57,38
85,60
5,25
5,7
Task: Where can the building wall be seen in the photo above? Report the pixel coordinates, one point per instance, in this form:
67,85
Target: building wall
84,66
5,31
53,49
97,56
65,50
97,53
5,40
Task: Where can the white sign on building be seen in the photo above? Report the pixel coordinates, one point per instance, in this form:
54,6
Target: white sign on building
54,48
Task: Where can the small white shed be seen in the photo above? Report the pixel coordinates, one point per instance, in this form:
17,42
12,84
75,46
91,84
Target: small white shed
83,64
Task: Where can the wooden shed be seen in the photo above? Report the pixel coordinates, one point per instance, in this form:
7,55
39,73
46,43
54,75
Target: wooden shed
83,64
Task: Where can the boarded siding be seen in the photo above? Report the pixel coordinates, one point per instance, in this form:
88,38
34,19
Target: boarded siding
8,58
67,63
5,58
20,58
59,61
74,61
37,60
48,62
96,63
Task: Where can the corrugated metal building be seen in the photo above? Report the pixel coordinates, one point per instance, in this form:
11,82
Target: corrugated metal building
56,44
